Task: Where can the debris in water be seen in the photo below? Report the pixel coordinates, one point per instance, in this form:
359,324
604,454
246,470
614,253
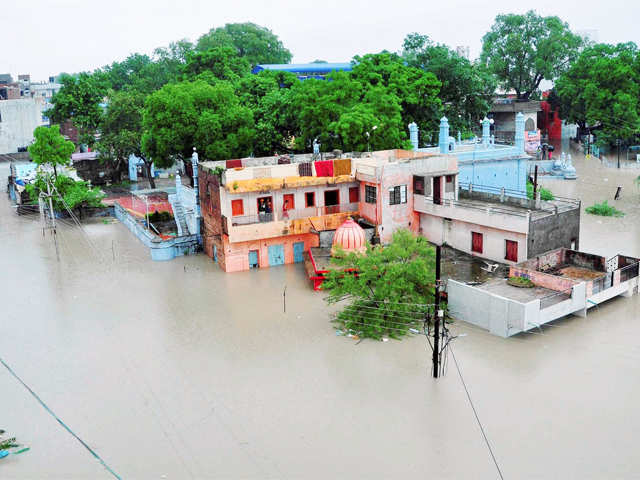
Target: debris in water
414,330
339,332
385,339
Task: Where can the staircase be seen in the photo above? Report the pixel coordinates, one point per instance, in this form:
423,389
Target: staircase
179,216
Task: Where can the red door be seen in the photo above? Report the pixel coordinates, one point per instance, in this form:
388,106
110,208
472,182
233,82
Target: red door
237,208
288,201
354,194
512,251
476,242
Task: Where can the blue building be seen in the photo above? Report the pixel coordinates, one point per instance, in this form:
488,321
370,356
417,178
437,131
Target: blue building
305,71
485,164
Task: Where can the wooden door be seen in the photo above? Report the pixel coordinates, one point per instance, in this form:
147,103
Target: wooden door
298,249
476,242
276,255
512,251
288,202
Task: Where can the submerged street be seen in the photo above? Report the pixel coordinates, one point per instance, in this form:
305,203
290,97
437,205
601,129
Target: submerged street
178,370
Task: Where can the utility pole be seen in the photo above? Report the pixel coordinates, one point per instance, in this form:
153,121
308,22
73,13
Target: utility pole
53,218
436,314
535,182
618,143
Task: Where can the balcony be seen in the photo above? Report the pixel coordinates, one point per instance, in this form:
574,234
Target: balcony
243,228
491,214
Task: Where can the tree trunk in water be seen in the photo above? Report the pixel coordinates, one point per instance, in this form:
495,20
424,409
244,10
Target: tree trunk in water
152,182
55,172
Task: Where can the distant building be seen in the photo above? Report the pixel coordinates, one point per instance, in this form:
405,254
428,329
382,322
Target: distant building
18,119
463,51
503,113
305,71
592,35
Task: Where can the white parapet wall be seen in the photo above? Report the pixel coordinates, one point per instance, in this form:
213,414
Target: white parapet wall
504,316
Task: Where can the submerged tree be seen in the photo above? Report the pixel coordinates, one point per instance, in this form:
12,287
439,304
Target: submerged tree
390,291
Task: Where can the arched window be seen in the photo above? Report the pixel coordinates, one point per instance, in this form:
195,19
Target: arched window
529,125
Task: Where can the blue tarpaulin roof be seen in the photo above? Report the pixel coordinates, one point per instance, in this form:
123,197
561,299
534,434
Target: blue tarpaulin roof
302,68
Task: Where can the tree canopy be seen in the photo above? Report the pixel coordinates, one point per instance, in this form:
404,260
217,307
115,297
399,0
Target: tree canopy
466,88
50,148
522,50
601,90
183,115
79,101
252,42
392,288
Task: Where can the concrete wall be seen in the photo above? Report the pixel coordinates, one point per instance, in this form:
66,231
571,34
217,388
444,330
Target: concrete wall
499,315
506,317
18,120
554,231
552,282
159,249
457,234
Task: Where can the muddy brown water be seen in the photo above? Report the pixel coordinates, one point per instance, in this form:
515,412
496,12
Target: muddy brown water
177,370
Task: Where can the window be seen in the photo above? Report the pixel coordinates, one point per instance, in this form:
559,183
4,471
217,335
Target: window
370,194
476,242
310,199
511,248
354,194
418,185
449,183
237,207
398,195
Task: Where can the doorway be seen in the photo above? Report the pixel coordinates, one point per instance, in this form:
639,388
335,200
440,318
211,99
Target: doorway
437,196
253,259
332,201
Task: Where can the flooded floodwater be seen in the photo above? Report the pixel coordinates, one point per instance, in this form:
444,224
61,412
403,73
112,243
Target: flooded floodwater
178,370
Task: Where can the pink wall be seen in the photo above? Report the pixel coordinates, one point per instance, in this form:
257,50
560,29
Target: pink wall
558,284
236,255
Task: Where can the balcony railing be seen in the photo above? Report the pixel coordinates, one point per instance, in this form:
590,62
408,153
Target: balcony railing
293,214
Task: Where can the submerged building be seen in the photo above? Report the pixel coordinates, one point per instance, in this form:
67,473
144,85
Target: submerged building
261,212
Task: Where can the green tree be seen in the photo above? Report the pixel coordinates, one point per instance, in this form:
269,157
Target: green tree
254,43
601,90
180,116
50,148
522,50
121,133
222,63
467,88
67,192
389,294
415,90
79,101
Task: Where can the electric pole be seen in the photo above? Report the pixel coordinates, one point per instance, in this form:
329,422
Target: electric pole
53,217
437,315
618,141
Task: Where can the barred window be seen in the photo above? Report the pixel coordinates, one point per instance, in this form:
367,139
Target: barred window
370,194
398,195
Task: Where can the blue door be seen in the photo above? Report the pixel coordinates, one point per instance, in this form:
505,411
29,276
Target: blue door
298,248
276,255
253,259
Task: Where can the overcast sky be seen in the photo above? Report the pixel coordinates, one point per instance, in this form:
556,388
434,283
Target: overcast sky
45,37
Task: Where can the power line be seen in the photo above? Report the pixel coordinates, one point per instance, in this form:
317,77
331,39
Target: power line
476,414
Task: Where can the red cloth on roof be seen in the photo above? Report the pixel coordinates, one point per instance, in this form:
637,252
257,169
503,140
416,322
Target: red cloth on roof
234,163
324,168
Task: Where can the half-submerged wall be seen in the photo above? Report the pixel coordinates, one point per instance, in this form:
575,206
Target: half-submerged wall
160,249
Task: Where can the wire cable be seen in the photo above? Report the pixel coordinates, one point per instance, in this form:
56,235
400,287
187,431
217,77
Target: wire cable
64,425
476,414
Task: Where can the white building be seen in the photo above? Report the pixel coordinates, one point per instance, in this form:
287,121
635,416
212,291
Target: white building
18,119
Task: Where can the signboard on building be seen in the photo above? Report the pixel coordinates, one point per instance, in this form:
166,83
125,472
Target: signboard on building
531,141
